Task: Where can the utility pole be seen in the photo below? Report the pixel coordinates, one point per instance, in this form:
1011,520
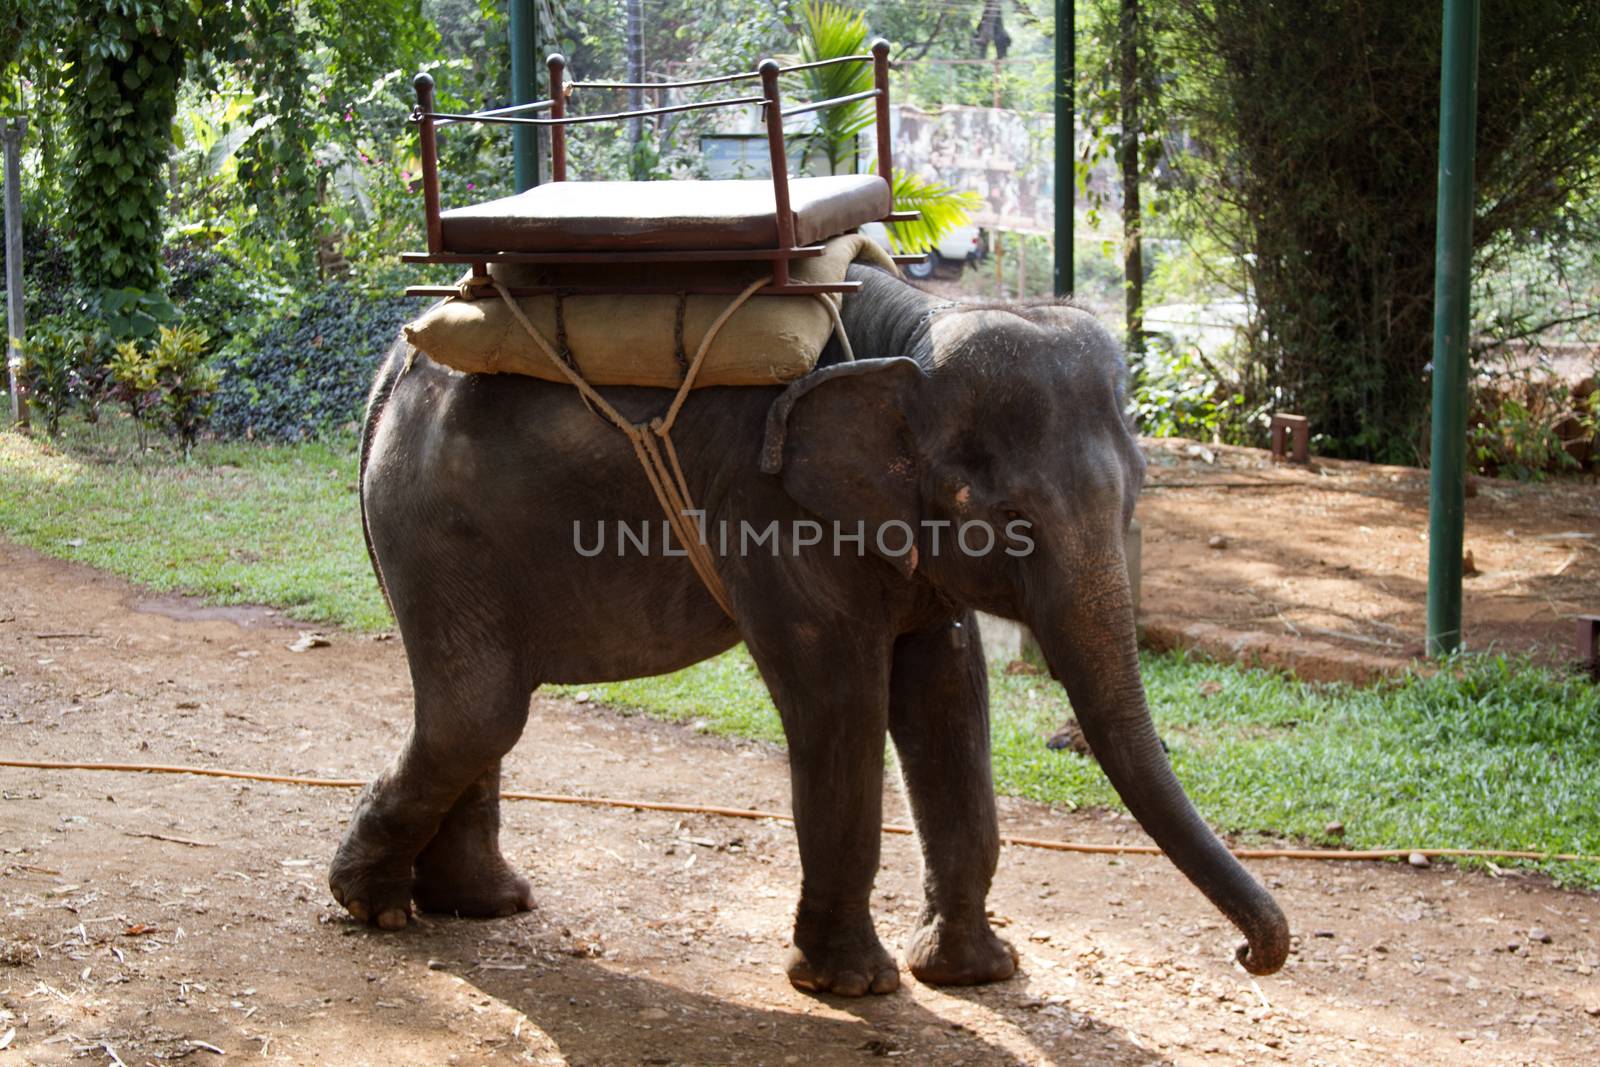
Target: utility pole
524,89
16,327
1132,223
1452,316
1066,184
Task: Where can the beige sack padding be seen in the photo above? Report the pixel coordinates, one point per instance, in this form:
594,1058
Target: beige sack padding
627,339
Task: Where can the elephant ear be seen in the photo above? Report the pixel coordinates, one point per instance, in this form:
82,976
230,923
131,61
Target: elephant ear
841,442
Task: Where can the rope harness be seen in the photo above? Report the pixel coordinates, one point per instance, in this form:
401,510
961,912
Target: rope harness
652,439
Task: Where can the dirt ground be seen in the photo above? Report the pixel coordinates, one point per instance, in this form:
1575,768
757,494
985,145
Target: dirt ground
159,919
1331,562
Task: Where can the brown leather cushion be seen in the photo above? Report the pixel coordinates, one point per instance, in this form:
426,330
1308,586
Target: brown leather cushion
676,215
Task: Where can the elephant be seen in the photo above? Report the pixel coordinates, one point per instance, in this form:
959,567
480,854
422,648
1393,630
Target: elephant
474,491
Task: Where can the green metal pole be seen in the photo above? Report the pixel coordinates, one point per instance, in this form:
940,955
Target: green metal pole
1066,183
524,90
1458,113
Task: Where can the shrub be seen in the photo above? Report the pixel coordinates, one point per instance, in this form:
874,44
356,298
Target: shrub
166,383
1183,393
306,374
61,367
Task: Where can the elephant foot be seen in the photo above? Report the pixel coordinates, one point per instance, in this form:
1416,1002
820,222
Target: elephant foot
484,888
371,873
371,888
850,968
945,953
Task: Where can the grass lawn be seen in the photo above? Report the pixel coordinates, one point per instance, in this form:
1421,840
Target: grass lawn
238,523
1490,754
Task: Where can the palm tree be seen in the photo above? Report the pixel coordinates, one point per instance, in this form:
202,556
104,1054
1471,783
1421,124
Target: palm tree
829,31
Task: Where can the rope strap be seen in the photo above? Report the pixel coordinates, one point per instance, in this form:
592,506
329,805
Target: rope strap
1093,848
652,441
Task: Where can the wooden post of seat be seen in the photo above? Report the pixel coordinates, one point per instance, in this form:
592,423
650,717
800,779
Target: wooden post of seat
880,81
423,83
558,110
780,166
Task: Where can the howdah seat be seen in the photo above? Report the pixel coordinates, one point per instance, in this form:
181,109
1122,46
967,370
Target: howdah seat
662,216
767,222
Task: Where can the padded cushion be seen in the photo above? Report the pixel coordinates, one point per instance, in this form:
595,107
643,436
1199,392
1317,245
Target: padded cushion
622,339
666,215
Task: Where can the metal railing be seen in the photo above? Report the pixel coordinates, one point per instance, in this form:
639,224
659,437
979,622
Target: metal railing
770,102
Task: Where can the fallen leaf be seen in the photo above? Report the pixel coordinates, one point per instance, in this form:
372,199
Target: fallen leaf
307,641
139,930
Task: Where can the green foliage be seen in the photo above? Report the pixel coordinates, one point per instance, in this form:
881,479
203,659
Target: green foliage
131,312
1313,162
166,383
235,523
1527,427
59,363
1184,394
307,374
828,31
109,75
125,59
941,209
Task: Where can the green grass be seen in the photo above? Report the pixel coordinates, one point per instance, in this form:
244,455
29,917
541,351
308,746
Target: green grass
236,522
1489,753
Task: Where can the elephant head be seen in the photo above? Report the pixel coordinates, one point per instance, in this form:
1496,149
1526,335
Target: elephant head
1011,416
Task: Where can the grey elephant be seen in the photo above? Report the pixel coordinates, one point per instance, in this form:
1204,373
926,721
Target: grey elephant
472,488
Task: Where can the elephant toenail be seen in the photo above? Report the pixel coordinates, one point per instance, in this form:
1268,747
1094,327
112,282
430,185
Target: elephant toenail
886,982
358,910
850,984
393,919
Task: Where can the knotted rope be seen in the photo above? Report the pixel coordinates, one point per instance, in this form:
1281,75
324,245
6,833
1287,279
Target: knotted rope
652,440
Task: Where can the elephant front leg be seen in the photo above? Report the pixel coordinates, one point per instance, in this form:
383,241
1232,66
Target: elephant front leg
832,702
939,719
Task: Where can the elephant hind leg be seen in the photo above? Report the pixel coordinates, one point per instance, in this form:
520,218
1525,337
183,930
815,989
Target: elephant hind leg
461,871
427,827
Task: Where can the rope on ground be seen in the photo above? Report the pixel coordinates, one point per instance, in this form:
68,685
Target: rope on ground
754,813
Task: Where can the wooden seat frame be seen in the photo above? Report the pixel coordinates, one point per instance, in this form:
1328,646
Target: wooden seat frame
773,113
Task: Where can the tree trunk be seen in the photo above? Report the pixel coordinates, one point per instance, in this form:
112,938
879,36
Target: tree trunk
635,45
1132,247
991,29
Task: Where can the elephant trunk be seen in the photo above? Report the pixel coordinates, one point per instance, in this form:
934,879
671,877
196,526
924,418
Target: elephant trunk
1095,655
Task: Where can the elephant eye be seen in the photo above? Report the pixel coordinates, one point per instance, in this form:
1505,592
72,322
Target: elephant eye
1011,514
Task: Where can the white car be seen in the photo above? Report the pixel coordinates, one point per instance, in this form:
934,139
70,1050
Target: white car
964,244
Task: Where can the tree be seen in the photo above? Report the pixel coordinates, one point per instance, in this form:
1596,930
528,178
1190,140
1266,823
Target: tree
1128,151
112,71
1316,128
829,31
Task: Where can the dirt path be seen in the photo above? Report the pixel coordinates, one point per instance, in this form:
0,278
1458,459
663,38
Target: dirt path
658,938
1325,570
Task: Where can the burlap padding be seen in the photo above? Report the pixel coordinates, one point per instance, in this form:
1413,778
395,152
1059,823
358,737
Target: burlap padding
630,339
